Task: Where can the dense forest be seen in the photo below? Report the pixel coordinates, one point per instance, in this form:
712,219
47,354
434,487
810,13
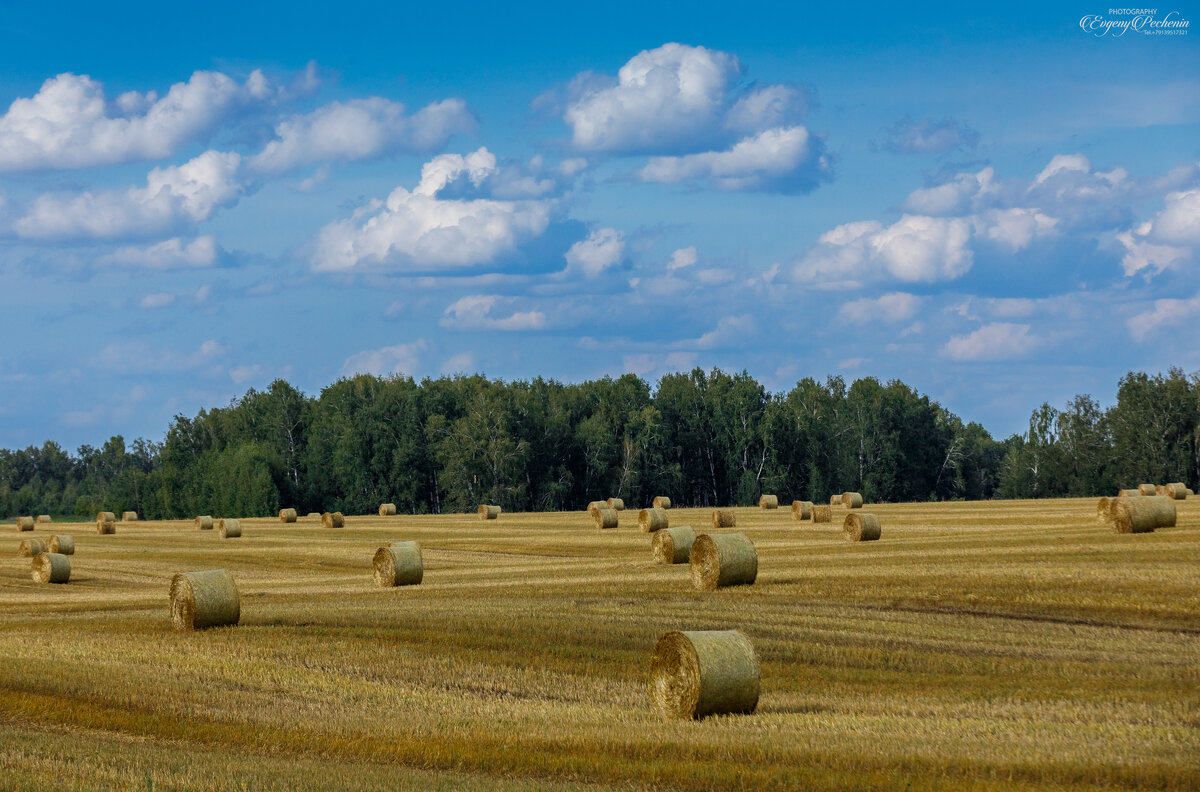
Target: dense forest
703,438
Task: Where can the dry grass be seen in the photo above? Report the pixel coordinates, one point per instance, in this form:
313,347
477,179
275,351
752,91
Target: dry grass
976,646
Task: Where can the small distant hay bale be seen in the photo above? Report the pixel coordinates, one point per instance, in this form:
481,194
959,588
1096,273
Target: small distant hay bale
802,510
204,599
1144,514
720,560
204,523
106,517
1176,491
129,516
651,520
724,518
1129,493
673,545
835,500
694,674
229,529
861,527
289,515
51,568
852,500
333,520
605,518
489,512
387,510
31,548
1104,510
44,518
399,564
1147,489
1160,489
661,502
310,515
104,527
768,501
822,514
25,523
616,504
61,543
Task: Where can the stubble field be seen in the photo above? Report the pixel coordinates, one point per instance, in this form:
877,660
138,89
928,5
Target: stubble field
981,646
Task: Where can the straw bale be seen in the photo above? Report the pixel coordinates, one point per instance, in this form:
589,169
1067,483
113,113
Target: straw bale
51,568
605,517
487,512
661,502
61,543
1147,489
208,598
387,510
616,504
673,545
1144,514
852,500
861,527
106,517
822,514
106,527
25,523
289,515
724,518
651,520
229,529
694,674
768,501
399,564
720,560
802,510
333,520
31,548
1129,493
204,523
1176,491
1104,509
44,518
129,516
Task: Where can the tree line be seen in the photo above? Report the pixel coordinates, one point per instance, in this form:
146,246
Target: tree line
703,438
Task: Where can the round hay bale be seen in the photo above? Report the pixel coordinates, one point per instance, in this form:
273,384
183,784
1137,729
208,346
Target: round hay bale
60,543
387,510
673,545
1189,492
104,527
106,517
51,568
768,501
229,529
1176,491
1160,489
1147,489
861,527
835,500
822,514
661,502
44,518
204,523
398,565
25,523
693,674
616,504
724,518
310,515
802,510
605,518
651,520
1103,509
129,516
720,560
1144,514
204,599
852,500
333,520
1129,493
31,548
289,515
487,512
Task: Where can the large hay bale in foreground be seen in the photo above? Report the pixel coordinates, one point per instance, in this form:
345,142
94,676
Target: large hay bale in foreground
289,515
51,568
852,500
661,502
333,520
1144,514
673,545
1147,489
44,518
129,516
204,522
605,517
616,504
1176,491
105,527
106,517
488,512
61,543
1104,509
720,560
693,674
25,523
861,527
387,510
822,514
31,548
724,518
229,529
768,501
398,565
802,510
208,598
651,520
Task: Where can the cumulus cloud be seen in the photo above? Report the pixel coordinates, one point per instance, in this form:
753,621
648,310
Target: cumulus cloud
1167,240
385,361
173,253
361,129
784,158
474,312
1165,312
69,123
424,229
929,137
157,300
602,249
958,196
914,249
895,307
681,259
462,363
995,341
730,331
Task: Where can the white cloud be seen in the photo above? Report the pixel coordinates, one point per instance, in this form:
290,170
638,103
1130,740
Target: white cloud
1168,239
421,229
386,361
138,356
176,196
474,312
172,253
462,363
770,106
361,129
602,249
1064,163
1165,312
895,307
955,197
775,158
157,300
1141,255
645,363
1015,228
918,248
67,124
681,259
996,341
731,331
243,374
1179,221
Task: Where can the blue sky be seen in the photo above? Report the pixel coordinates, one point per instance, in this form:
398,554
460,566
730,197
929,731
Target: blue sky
996,206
